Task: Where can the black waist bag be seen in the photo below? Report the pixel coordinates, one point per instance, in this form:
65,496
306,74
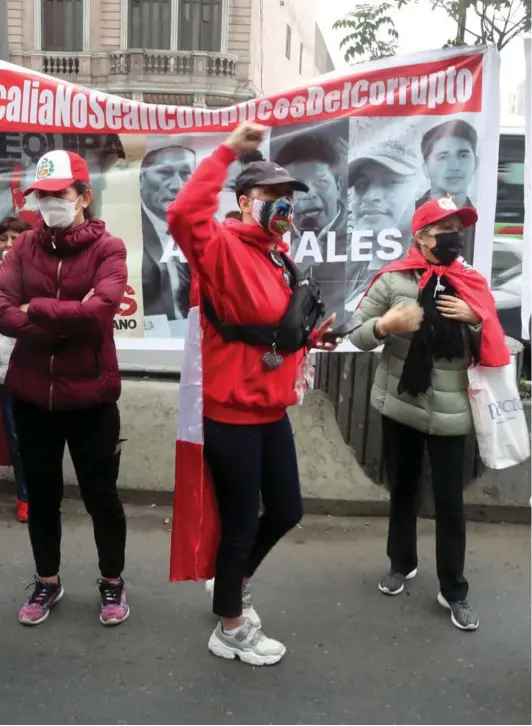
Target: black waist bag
292,332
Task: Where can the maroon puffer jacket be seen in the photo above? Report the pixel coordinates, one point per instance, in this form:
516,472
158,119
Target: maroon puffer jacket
65,356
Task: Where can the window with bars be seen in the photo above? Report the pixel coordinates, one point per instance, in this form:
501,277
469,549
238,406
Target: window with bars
62,25
288,42
149,24
200,25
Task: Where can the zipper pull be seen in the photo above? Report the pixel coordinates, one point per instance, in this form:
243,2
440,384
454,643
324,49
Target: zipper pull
53,241
439,287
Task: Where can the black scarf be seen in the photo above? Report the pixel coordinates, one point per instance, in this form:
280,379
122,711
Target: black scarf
437,338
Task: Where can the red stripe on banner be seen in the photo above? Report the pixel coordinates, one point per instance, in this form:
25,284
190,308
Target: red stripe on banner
195,523
448,85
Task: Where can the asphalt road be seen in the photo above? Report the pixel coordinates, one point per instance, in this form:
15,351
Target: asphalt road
354,656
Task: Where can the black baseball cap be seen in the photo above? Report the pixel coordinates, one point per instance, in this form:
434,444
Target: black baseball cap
265,174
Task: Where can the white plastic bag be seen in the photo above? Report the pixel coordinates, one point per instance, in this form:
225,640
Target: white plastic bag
500,423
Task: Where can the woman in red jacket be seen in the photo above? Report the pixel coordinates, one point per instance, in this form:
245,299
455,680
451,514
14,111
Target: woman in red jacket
248,441
60,287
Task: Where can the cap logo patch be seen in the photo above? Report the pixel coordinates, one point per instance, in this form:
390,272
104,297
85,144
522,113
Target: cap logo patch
45,168
447,204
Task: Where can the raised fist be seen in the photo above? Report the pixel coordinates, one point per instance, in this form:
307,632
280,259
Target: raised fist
246,137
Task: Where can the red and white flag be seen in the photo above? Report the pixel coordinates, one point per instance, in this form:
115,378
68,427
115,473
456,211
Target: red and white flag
195,524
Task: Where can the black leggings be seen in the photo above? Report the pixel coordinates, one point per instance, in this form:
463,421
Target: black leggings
247,462
405,447
93,438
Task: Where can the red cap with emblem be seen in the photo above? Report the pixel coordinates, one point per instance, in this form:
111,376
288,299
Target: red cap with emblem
57,170
437,209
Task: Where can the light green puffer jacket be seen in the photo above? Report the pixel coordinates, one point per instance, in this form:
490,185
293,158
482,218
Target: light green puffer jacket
444,409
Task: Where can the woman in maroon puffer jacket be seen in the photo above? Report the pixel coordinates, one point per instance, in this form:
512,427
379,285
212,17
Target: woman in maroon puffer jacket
60,288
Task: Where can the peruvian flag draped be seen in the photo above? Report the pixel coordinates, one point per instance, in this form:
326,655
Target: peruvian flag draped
195,524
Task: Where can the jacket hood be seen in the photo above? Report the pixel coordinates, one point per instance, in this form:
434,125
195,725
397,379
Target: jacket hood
254,235
70,240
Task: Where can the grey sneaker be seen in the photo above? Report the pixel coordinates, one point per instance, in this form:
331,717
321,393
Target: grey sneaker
249,644
394,583
462,616
248,611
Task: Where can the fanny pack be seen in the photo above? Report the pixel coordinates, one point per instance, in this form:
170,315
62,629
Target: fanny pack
292,332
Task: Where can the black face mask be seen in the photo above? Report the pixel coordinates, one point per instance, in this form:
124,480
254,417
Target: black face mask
448,247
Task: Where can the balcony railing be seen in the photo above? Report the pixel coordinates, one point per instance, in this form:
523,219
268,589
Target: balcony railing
172,63
168,64
61,64
120,64
221,66
163,76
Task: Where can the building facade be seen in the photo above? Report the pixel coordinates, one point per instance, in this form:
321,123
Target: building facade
188,52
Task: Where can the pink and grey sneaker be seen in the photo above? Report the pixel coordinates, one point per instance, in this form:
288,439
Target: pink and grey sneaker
114,602
45,595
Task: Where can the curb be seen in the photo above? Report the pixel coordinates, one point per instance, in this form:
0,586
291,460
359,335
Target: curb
494,513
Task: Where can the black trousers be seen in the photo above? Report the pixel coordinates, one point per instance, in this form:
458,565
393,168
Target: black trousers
404,447
247,462
93,438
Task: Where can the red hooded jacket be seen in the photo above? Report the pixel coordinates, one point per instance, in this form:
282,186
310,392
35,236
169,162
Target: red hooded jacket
231,264
65,356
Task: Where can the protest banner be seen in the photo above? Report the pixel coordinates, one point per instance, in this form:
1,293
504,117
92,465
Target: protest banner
372,143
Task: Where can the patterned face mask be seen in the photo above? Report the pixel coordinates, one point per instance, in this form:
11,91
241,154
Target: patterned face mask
274,217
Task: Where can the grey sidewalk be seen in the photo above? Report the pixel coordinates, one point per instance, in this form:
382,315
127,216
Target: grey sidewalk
355,656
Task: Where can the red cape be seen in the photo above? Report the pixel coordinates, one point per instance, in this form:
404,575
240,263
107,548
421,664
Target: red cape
473,289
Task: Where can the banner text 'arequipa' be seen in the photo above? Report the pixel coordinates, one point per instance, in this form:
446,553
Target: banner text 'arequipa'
31,102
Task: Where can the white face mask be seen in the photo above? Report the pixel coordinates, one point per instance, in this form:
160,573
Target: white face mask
57,213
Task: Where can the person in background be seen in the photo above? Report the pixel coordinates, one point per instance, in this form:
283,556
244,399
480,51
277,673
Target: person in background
10,228
60,288
434,315
248,441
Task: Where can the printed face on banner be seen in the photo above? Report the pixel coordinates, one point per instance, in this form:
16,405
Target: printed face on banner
382,197
450,164
163,174
165,272
317,155
371,145
383,179
450,159
317,208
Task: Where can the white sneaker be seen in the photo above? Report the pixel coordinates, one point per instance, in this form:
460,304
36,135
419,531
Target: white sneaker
462,615
248,611
249,644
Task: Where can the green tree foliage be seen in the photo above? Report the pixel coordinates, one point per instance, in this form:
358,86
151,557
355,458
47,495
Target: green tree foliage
371,31
367,27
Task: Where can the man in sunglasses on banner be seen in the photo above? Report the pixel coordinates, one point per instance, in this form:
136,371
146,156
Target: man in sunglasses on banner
259,318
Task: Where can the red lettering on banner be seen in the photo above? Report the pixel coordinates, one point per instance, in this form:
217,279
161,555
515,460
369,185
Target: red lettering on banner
44,104
128,305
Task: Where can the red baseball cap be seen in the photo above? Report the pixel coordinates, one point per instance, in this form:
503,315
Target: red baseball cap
57,170
437,209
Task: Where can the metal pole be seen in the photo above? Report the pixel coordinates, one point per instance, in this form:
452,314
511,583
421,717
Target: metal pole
4,38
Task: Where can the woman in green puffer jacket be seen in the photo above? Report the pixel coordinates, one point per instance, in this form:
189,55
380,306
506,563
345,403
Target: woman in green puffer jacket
416,309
